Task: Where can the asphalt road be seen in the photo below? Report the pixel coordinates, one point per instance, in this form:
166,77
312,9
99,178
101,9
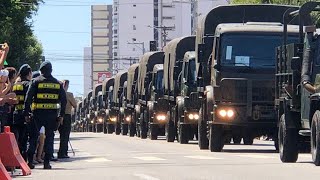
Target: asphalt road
111,157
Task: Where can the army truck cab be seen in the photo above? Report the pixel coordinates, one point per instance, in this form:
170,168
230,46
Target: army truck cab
156,105
297,89
131,99
90,111
146,65
84,114
98,104
109,120
236,56
173,63
79,116
116,108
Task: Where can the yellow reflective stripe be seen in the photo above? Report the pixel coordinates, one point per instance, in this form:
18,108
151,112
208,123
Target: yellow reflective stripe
33,106
46,106
18,87
19,107
47,96
48,86
20,97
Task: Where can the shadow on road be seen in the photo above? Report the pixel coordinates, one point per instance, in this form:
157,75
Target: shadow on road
249,151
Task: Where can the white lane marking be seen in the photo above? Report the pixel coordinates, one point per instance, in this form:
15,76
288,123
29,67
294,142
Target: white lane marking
96,160
149,158
256,156
145,177
202,157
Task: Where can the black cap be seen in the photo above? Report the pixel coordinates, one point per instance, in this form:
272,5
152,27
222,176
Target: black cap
35,74
46,66
24,70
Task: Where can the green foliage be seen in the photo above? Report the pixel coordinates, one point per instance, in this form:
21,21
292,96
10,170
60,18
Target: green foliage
15,29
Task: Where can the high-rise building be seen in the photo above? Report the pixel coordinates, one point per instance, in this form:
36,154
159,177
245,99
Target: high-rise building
137,22
101,42
87,70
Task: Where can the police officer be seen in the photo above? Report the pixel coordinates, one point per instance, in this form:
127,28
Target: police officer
20,89
46,93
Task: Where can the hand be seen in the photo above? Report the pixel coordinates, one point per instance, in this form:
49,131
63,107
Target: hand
5,47
60,121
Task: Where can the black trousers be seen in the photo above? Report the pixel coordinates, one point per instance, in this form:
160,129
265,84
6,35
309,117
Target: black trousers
48,119
64,131
20,132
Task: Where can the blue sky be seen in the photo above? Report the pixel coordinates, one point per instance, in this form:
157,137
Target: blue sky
63,28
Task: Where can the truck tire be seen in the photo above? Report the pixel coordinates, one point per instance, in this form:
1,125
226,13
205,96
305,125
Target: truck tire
183,136
124,129
143,126
117,129
110,128
203,141
288,142
170,133
216,139
153,131
105,130
315,138
132,129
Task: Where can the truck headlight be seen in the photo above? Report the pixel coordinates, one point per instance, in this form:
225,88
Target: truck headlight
100,120
128,119
113,119
161,117
230,113
91,121
226,113
191,116
196,116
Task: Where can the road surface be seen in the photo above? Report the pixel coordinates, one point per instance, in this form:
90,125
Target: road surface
111,157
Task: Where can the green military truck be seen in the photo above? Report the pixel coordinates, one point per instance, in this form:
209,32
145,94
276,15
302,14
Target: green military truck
188,101
106,85
116,108
131,99
99,112
172,68
297,89
146,65
235,79
110,120
156,105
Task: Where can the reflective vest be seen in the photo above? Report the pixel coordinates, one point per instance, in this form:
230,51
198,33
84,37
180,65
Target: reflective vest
18,89
47,96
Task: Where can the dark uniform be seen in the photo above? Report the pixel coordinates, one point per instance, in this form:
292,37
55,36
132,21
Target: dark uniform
19,123
45,93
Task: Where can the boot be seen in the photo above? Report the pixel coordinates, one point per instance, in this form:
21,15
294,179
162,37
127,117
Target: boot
46,165
31,165
30,161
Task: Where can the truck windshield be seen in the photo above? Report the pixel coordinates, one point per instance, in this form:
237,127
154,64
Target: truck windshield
192,74
159,81
251,50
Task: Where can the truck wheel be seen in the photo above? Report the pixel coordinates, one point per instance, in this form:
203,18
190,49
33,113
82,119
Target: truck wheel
143,130
124,129
110,128
138,129
236,139
203,141
183,136
118,128
315,138
288,142
105,130
153,132
248,140
132,129
216,139
170,133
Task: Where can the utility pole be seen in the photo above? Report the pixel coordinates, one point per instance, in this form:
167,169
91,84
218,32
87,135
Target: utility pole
195,14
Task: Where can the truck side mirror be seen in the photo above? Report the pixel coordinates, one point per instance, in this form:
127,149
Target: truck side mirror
296,63
201,52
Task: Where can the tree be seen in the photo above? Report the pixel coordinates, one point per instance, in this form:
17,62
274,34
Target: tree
15,29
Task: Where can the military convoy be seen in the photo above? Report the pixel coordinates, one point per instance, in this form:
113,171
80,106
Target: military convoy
249,73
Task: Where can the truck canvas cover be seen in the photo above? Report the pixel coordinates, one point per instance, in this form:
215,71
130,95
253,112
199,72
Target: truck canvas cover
106,85
97,89
119,80
174,53
132,77
240,14
146,64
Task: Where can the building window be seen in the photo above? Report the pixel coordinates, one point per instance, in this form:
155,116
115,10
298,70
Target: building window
115,54
168,17
134,17
134,27
134,5
115,31
168,6
115,42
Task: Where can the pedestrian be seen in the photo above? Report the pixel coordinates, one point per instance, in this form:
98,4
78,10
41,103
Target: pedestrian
20,88
45,93
65,127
